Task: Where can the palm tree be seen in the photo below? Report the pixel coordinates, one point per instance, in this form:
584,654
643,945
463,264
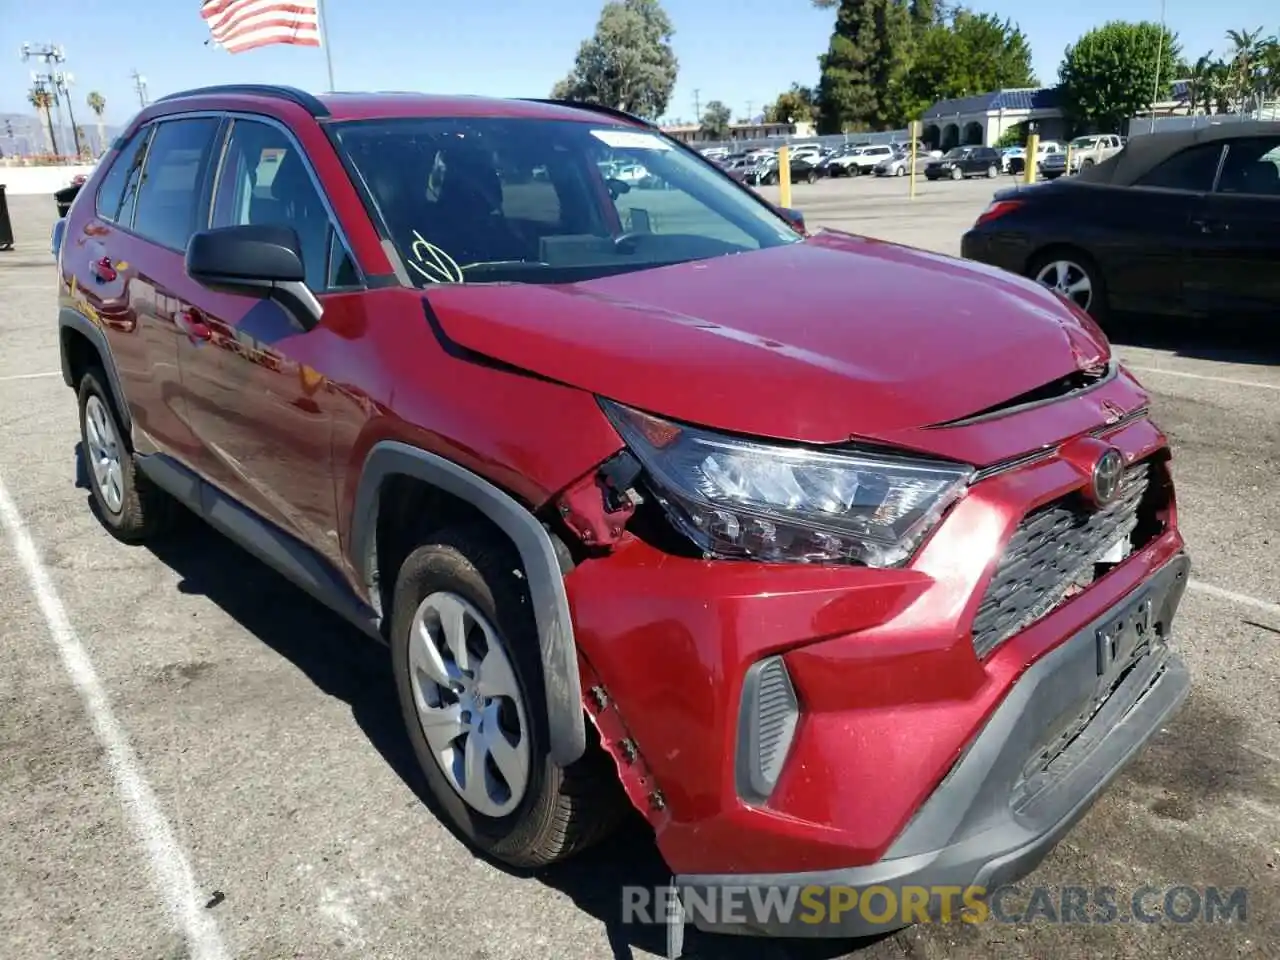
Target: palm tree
98,104
42,100
1244,65
1200,82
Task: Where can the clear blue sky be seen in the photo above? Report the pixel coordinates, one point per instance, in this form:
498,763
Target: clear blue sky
739,51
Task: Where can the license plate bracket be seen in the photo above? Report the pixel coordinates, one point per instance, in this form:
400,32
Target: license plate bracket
1122,638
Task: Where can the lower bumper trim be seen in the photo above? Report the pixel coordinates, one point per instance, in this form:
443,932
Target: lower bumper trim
1024,782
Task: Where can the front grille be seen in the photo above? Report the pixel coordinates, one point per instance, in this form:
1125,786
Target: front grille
1053,555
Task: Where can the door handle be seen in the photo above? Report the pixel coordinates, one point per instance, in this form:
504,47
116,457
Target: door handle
1206,225
193,326
103,271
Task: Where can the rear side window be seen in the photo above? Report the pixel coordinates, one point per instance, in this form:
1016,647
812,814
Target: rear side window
1191,169
122,179
171,181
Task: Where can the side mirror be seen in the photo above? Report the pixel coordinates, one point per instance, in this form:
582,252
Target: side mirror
617,187
255,260
793,217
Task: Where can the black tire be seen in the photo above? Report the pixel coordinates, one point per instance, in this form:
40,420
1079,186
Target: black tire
992,172
145,510
811,177
1099,308
957,173
563,811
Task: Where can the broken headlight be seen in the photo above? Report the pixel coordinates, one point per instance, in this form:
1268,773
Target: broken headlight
748,499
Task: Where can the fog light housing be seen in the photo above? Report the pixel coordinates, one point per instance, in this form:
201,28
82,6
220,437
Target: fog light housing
767,718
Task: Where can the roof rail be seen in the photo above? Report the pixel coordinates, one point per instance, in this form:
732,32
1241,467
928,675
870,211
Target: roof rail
594,108
307,101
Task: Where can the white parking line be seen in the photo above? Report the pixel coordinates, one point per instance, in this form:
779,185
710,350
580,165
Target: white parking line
170,869
1244,599
1204,376
31,376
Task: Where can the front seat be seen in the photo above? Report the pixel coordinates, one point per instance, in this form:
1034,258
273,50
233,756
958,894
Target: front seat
467,220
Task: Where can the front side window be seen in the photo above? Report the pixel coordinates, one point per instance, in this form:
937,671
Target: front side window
1193,169
264,180
1252,166
489,200
169,194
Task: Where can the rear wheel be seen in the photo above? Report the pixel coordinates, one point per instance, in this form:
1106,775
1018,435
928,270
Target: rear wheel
131,507
469,679
1073,274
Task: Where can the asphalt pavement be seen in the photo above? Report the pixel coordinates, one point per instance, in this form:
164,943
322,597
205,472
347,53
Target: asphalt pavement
196,761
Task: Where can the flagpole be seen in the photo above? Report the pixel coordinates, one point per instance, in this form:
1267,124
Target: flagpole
324,41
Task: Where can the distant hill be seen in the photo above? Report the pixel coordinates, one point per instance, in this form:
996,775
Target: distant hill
23,134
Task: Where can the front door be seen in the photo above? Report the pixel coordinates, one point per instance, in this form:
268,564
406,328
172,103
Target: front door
1235,269
258,404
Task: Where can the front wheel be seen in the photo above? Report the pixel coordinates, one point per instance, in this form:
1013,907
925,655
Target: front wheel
992,172
811,177
469,679
957,173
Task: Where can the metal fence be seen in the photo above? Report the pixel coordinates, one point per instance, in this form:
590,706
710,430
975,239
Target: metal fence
1142,125
833,140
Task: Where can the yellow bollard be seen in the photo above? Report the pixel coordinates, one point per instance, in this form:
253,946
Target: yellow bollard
1067,170
914,132
784,176
1033,147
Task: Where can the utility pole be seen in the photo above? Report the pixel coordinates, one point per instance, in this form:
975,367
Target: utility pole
48,53
697,106
63,82
140,87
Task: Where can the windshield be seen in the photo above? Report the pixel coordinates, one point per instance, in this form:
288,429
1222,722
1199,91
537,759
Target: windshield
956,153
517,200
1081,143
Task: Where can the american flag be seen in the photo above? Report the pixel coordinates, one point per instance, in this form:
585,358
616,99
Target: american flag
239,25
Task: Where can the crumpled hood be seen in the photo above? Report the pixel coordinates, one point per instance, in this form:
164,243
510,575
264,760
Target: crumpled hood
836,338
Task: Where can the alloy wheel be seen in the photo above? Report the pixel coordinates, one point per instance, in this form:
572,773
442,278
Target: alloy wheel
1069,279
469,704
104,453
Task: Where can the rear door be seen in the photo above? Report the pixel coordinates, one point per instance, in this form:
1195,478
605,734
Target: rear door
128,270
1235,263
1148,240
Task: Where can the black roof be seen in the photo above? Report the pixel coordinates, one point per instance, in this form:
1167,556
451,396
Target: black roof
1145,151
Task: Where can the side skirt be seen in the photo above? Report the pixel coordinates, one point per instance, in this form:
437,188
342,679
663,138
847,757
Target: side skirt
282,552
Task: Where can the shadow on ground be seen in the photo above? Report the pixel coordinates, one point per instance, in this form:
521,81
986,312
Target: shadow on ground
343,663
1223,341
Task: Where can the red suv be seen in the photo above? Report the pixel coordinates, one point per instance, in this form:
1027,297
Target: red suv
844,563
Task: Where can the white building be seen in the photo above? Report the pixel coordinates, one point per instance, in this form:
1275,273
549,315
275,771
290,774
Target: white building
982,119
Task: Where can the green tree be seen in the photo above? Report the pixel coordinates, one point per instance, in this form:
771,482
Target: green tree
1112,73
628,64
1014,136
796,105
715,121
966,54
865,66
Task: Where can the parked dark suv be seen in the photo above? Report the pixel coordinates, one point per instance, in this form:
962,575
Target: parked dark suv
961,162
654,498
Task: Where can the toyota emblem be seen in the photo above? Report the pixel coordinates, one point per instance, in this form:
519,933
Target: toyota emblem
1107,473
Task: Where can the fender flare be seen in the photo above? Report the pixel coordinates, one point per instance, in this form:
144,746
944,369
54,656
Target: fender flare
69,319
558,648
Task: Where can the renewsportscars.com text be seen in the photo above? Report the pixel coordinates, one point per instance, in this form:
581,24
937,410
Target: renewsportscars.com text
940,904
